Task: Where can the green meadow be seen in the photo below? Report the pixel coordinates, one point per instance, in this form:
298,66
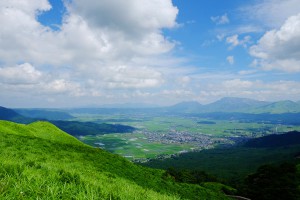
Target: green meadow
137,145
133,145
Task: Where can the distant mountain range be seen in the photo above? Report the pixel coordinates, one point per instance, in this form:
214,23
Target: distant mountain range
242,105
11,115
278,107
224,105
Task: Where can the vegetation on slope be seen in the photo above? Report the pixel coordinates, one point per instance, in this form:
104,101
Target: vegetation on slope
287,139
274,182
38,161
236,162
265,168
89,128
39,129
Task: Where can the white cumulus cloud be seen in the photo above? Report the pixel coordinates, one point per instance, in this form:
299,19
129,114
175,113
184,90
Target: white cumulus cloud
107,42
131,16
279,49
20,74
234,41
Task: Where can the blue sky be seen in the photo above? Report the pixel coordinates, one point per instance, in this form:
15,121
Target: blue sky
88,53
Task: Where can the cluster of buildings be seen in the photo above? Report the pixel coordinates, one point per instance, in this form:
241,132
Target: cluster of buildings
180,137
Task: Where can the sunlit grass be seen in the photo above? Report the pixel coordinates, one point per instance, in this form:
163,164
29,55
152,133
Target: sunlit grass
37,165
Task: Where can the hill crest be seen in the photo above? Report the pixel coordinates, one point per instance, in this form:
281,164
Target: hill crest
39,129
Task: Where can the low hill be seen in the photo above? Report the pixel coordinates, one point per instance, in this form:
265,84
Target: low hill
233,104
287,139
39,161
278,107
90,128
44,114
234,163
38,129
11,115
186,107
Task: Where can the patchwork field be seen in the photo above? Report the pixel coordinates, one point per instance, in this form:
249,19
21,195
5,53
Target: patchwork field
167,135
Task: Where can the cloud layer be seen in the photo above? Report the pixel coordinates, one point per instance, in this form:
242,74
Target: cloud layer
272,13
280,48
100,45
118,51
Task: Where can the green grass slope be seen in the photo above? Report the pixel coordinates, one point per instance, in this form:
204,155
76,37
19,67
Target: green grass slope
39,161
39,129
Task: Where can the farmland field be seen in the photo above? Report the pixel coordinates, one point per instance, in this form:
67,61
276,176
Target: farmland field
167,135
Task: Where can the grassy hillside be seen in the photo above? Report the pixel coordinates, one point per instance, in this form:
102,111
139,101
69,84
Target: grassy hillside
39,129
39,161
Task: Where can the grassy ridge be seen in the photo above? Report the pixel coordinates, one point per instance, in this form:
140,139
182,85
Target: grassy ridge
39,161
39,129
